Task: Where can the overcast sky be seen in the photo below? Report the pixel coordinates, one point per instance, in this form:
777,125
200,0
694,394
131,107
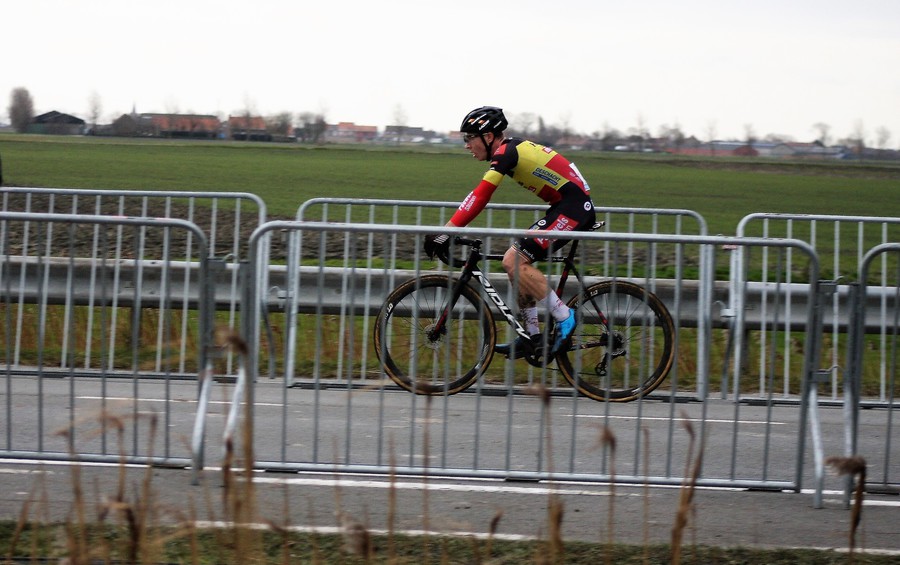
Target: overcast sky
708,66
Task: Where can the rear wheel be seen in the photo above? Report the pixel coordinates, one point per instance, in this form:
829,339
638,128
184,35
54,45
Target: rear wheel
627,357
420,357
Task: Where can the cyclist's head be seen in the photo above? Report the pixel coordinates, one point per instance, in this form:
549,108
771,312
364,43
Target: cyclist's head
480,122
483,120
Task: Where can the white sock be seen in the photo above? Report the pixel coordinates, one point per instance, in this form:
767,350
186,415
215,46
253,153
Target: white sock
557,307
530,317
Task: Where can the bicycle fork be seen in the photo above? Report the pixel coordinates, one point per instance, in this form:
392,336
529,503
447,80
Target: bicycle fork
440,326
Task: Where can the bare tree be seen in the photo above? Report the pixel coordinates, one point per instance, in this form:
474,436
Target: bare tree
312,127
711,136
609,137
521,124
859,137
21,109
400,121
777,138
565,124
749,135
280,124
95,107
673,136
640,131
882,136
822,129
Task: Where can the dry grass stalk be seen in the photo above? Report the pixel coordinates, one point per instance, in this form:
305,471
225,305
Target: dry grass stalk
22,521
426,439
392,500
646,434
555,506
686,499
239,496
855,468
356,537
492,531
608,439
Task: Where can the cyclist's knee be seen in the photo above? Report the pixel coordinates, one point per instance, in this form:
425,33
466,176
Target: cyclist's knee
513,260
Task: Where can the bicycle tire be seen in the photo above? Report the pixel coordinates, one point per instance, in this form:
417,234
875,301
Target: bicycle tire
640,332
446,365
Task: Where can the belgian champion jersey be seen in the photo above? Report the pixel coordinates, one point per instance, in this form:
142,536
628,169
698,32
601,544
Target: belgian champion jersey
539,169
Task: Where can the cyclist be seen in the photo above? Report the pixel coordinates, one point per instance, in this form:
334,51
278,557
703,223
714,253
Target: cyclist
553,179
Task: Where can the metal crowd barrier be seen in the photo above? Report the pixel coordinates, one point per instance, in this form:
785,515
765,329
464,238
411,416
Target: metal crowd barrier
629,263
878,418
840,241
225,218
348,417
74,372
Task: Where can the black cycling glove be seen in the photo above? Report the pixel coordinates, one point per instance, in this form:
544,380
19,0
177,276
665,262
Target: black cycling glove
437,244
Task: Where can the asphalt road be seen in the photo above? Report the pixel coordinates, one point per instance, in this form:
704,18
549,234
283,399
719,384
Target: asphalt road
638,513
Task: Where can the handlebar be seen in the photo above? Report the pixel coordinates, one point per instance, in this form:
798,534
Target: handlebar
462,241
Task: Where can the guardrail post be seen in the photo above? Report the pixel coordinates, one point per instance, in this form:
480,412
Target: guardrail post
853,377
820,291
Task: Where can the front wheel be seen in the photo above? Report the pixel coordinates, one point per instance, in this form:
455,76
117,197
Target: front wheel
623,346
427,347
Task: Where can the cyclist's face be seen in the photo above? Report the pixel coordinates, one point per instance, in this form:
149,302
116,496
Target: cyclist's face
478,149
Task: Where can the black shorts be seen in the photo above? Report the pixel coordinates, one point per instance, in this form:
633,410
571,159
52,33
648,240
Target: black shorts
575,212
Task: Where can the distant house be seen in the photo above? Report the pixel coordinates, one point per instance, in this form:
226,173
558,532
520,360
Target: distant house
349,132
814,150
193,126
56,123
247,128
724,149
403,133
184,126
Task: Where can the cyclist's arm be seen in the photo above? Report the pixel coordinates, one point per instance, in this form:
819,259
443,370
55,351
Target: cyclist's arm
473,204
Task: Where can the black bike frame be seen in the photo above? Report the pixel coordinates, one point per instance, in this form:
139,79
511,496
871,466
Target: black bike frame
471,270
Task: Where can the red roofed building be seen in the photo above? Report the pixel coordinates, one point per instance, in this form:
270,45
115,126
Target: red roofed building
348,132
248,128
194,126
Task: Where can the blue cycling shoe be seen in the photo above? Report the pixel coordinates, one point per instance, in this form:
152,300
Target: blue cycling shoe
563,331
522,347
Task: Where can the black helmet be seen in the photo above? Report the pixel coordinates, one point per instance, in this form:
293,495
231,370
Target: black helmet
483,120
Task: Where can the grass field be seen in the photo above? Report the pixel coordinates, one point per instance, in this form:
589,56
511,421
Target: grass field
723,191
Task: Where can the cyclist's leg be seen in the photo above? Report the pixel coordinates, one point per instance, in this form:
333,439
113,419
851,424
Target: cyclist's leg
527,278
532,283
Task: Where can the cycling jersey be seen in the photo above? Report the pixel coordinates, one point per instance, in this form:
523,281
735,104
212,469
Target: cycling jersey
537,168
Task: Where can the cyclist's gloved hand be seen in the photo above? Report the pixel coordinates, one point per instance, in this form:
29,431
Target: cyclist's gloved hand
437,244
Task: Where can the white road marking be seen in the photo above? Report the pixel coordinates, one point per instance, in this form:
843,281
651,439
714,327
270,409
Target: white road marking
129,398
338,530
665,419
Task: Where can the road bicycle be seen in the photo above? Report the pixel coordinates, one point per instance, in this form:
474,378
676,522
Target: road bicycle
435,334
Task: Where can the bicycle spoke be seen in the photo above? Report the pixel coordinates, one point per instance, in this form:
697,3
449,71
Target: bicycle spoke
425,349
